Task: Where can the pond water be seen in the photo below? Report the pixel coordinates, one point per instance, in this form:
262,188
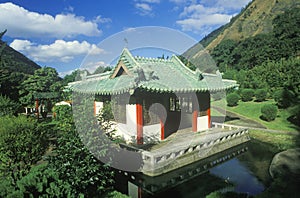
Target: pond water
246,173
237,173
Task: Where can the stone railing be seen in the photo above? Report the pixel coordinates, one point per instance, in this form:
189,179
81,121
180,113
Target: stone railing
186,152
226,126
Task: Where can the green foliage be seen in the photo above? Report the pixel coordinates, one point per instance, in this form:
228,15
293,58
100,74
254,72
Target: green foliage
116,194
283,42
22,144
44,80
269,112
247,95
283,97
102,69
74,76
215,195
232,99
76,166
187,63
295,111
260,95
14,68
62,112
7,106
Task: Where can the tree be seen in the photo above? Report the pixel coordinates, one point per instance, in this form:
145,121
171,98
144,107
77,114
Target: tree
22,144
42,80
232,99
283,97
7,106
102,69
269,112
260,95
82,173
222,54
247,95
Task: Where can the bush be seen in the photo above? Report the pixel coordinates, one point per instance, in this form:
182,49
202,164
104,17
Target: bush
260,95
62,112
247,94
283,97
8,107
269,112
232,99
295,112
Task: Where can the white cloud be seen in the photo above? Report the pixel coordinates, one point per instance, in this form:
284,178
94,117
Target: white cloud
60,50
144,7
227,4
202,17
201,22
100,19
23,23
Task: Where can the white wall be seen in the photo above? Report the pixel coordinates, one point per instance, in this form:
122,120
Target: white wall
99,106
128,131
202,123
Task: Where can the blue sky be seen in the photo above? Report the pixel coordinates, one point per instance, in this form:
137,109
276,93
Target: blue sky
60,33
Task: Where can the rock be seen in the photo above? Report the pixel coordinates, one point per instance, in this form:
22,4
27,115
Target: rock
286,163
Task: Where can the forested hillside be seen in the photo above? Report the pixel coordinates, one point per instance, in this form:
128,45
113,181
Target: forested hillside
256,18
14,68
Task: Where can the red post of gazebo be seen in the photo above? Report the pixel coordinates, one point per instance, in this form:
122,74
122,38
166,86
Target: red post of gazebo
209,118
162,129
139,123
195,120
37,108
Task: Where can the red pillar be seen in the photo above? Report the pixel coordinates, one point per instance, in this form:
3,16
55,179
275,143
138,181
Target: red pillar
209,119
195,120
139,123
162,129
140,192
95,108
37,107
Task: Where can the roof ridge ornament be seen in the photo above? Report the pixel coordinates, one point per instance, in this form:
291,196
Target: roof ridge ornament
199,74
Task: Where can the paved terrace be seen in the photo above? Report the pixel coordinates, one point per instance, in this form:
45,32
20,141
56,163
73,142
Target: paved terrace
185,147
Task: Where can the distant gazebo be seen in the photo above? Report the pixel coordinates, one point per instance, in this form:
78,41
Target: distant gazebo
41,97
154,97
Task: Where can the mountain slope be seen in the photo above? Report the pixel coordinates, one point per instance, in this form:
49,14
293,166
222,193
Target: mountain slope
253,28
14,61
14,68
255,19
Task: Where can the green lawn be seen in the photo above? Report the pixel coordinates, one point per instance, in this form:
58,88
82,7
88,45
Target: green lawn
251,110
280,141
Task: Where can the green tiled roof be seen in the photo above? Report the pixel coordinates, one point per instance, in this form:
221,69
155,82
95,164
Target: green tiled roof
151,74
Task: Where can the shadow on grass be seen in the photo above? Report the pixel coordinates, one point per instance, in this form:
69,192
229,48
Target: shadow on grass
221,119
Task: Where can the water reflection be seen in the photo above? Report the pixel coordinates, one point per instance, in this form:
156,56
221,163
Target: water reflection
237,173
241,169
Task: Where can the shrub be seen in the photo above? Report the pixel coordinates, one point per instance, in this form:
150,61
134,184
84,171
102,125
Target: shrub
260,95
62,112
232,99
295,112
269,112
7,106
247,94
283,97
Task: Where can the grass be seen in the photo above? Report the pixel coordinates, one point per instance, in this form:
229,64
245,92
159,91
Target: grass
278,140
251,110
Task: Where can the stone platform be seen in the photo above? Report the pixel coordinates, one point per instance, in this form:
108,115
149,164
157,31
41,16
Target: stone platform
186,147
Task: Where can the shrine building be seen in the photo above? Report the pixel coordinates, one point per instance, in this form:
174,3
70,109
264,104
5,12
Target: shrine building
153,98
